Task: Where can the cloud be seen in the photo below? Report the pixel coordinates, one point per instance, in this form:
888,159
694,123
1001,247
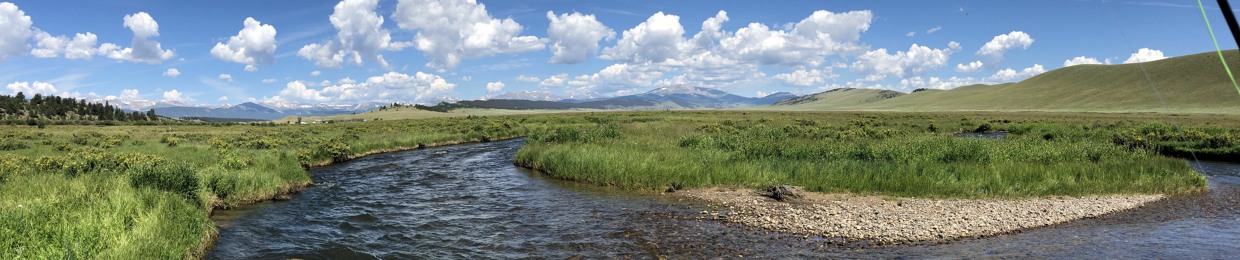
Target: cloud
712,30
269,81
360,37
389,87
14,31
1145,55
524,78
933,30
974,66
657,39
176,96
807,43
910,34
554,81
993,50
806,78
493,87
1082,60
878,64
29,89
315,73
451,30
936,82
227,77
616,79
82,46
1010,75
130,94
143,48
574,37
172,73
254,45
223,99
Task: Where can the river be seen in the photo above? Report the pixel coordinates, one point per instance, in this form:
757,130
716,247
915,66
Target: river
469,201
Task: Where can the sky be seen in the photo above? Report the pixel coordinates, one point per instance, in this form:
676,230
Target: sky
285,52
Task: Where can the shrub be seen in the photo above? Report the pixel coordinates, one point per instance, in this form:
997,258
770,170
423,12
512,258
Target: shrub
7,144
231,161
171,141
690,141
177,178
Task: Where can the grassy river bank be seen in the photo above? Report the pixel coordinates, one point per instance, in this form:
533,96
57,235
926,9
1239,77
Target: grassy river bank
103,192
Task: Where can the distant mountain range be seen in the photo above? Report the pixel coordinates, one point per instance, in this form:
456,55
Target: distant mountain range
674,97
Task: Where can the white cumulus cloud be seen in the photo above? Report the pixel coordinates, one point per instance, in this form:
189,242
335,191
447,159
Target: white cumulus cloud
175,96
82,46
659,38
14,31
389,87
879,64
554,81
974,66
936,82
254,45
227,77
808,42
495,87
1010,75
360,37
1145,55
29,89
806,78
143,48
574,37
1078,60
172,73
993,50
130,94
449,31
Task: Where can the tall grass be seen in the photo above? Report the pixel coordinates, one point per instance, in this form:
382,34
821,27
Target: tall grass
888,157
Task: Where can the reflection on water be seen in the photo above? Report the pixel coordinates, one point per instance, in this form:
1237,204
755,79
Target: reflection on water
468,201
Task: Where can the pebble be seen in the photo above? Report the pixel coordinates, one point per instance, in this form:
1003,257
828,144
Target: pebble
906,220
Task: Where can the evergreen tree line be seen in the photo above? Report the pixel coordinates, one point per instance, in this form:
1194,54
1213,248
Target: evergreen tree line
50,107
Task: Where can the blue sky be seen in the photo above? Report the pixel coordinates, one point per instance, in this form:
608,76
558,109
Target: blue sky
425,51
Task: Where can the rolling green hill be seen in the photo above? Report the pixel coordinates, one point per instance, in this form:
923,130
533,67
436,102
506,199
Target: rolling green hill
1187,84
838,97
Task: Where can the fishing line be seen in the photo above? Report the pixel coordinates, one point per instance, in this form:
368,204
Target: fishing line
1149,80
1224,6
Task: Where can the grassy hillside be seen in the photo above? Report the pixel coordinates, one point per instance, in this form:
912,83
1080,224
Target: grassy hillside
837,98
1187,84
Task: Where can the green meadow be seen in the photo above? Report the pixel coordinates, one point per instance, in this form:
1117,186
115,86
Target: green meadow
147,191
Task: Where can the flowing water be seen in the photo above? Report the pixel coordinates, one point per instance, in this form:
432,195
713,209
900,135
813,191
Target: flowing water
469,201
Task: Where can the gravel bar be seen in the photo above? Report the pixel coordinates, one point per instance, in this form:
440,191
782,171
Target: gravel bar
881,220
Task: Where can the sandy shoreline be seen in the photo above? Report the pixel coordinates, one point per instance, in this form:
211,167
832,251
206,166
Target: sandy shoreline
878,220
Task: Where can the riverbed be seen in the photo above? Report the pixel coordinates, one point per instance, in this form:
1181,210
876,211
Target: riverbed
469,201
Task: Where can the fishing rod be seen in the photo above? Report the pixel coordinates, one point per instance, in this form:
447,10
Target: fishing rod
1231,20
